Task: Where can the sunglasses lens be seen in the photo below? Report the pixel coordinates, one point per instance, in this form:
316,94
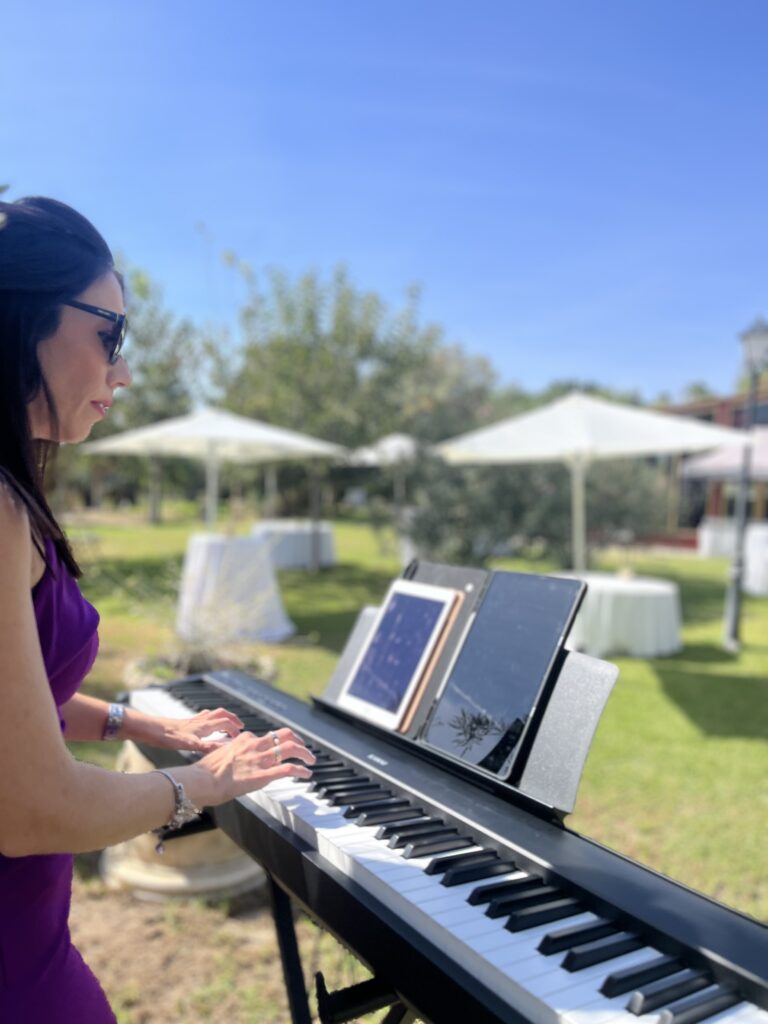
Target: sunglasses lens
116,341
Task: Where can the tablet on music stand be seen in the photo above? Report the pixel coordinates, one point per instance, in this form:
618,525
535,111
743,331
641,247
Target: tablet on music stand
388,669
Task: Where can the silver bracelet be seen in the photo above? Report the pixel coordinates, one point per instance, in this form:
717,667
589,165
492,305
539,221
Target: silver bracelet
183,810
114,722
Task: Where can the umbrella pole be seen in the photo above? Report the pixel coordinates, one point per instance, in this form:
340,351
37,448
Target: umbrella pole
314,513
211,490
578,515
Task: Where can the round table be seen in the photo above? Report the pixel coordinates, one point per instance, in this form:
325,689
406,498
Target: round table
635,615
229,592
297,543
755,581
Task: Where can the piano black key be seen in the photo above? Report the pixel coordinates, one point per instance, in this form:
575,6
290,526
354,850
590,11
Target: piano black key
424,838
529,898
575,935
668,990
404,836
630,978
356,809
532,917
459,876
699,1007
343,785
398,804
321,776
485,893
427,847
600,950
449,860
397,814
344,797
422,824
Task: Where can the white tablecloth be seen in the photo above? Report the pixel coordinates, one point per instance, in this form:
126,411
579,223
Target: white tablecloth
229,592
291,542
716,537
639,616
755,579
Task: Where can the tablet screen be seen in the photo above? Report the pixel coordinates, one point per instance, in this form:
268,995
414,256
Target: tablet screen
390,666
498,678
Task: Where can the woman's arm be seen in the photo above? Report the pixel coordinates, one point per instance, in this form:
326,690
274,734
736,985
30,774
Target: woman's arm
49,802
85,718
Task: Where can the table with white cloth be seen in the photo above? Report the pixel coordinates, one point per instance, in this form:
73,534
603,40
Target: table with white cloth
755,579
634,615
716,537
297,543
229,592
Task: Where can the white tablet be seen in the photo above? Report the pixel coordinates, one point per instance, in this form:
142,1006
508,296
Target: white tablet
389,666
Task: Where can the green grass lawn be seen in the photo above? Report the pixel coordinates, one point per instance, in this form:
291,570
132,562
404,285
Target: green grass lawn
678,774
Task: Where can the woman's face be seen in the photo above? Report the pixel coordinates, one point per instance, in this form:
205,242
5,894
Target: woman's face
76,369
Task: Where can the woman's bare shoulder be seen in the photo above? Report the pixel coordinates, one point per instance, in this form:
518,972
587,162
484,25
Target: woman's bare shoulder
15,534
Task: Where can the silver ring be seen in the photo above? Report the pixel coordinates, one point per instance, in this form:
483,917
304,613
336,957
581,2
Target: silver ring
277,754
275,737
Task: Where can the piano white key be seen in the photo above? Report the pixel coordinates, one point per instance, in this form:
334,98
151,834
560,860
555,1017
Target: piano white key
743,1013
159,702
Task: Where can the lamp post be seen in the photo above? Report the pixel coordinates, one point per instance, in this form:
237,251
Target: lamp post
755,343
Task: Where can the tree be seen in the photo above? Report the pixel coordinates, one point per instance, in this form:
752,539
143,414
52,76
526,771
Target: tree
334,361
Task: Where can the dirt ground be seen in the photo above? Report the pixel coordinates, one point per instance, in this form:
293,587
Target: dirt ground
185,962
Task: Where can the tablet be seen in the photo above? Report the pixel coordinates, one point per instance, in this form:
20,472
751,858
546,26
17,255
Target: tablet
496,689
390,665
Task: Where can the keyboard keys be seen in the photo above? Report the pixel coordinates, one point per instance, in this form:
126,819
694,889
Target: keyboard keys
441,864
436,844
418,862
460,875
498,890
658,993
600,950
699,1007
391,814
530,917
575,935
503,906
421,824
619,982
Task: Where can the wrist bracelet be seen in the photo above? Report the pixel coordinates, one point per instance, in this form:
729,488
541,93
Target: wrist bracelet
183,810
114,721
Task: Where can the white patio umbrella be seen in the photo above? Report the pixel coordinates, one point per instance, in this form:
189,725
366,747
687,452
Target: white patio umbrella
215,436
579,429
725,463
393,451
390,450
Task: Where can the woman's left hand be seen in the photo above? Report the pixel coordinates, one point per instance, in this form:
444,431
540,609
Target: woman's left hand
190,733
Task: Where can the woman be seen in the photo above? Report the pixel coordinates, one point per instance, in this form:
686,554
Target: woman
62,325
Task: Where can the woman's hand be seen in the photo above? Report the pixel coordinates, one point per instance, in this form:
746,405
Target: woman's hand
250,762
190,733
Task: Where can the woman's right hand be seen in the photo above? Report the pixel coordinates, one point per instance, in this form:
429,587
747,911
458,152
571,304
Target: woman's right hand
249,762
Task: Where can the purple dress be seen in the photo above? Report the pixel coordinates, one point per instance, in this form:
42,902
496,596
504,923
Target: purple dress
43,979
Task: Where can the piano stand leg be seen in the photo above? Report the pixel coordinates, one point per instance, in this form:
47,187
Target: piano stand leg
289,954
349,1004
399,1014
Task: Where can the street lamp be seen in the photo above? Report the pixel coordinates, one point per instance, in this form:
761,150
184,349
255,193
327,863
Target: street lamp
755,343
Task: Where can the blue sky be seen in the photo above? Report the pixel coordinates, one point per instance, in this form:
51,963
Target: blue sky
578,186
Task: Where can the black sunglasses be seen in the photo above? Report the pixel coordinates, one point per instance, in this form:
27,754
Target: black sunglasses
113,342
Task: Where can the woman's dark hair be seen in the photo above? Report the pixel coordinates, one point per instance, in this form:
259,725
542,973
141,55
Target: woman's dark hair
48,253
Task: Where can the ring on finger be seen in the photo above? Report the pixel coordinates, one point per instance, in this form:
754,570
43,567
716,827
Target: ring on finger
275,737
277,753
